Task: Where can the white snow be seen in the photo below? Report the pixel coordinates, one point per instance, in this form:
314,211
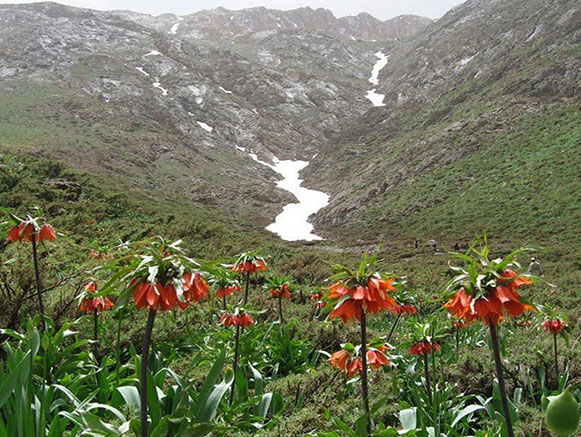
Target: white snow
205,126
225,91
174,28
242,149
375,98
141,70
158,86
152,53
382,62
292,223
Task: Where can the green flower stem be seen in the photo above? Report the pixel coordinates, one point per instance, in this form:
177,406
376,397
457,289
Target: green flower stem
500,376
38,285
235,369
364,390
144,360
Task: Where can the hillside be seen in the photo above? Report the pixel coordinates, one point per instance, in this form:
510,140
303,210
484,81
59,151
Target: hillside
479,132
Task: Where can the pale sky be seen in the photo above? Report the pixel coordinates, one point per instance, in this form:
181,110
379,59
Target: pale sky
382,9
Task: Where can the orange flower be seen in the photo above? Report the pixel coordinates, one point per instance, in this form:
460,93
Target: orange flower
554,326
373,298
92,304
46,233
228,290
376,358
425,347
25,232
249,266
352,364
405,309
283,292
501,300
195,287
156,296
243,320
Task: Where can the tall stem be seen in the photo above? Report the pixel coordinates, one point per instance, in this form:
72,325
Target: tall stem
38,285
364,391
118,350
144,360
280,316
457,339
427,376
236,341
392,330
246,288
224,303
556,359
95,334
500,376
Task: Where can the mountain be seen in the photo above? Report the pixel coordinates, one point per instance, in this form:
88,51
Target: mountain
480,131
481,111
256,23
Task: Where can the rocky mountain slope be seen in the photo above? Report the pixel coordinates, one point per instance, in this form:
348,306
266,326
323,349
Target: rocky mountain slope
163,109
481,113
173,107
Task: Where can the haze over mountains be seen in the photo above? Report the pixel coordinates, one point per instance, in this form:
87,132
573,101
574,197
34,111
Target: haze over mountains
174,106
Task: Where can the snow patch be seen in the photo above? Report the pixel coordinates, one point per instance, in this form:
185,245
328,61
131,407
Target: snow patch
381,62
141,70
205,126
152,53
463,62
242,149
292,223
158,86
174,28
225,91
376,98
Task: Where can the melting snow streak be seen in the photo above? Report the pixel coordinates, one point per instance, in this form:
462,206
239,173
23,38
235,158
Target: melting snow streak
375,98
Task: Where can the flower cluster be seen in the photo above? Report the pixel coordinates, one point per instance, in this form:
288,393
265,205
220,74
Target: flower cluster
157,296
502,299
249,265
349,361
283,292
372,297
26,231
425,347
227,290
92,304
554,326
407,308
236,319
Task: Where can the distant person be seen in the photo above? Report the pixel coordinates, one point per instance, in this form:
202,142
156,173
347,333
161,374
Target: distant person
535,267
456,247
416,243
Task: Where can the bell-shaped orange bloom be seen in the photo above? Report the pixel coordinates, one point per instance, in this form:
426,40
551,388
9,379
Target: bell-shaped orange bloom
352,364
554,326
228,290
425,347
195,287
46,233
25,232
156,296
501,300
250,266
243,320
405,309
373,298
92,304
376,358
283,292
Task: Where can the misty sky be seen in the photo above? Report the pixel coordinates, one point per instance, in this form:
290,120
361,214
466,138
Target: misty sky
382,9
